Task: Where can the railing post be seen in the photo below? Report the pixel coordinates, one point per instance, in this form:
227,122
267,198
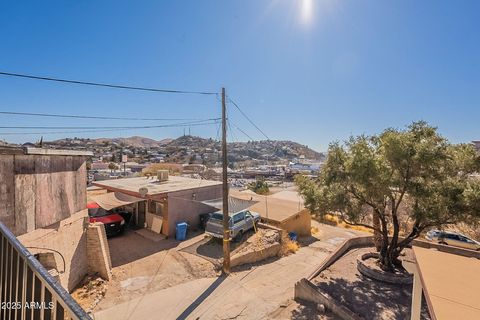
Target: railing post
32,286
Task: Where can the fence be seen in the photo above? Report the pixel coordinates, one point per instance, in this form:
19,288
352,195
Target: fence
27,290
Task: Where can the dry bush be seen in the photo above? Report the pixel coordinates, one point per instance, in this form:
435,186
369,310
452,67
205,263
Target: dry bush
288,246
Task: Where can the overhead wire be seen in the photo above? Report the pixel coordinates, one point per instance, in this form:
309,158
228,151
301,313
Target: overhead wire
108,85
241,130
91,117
116,127
110,130
248,118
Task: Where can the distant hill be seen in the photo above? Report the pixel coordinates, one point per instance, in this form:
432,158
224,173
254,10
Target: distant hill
185,147
135,141
254,149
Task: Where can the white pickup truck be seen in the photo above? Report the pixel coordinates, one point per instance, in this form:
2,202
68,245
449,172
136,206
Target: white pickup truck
240,222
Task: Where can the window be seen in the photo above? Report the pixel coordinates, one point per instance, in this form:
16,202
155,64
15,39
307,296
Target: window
452,237
238,217
155,207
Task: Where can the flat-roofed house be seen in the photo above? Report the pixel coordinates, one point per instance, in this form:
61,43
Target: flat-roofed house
173,199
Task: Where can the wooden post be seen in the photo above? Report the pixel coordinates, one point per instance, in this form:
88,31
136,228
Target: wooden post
226,216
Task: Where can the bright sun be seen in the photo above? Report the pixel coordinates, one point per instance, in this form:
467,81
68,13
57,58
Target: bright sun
307,11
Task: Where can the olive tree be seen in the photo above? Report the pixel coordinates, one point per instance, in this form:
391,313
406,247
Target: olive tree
414,175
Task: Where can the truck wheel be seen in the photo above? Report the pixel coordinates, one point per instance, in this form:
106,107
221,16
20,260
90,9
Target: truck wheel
239,236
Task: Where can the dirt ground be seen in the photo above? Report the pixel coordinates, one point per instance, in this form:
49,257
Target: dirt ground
90,292
368,298
262,290
141,266
293,310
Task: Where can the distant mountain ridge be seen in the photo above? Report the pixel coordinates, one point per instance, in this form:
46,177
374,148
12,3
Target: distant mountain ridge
263,149
135,141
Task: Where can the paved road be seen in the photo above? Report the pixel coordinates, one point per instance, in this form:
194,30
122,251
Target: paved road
253,293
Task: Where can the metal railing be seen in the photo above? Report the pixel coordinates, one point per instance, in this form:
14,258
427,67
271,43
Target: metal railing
27,290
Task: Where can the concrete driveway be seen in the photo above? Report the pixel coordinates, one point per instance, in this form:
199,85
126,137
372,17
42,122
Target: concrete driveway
254,292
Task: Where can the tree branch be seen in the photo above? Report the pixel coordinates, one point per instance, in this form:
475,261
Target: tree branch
360,224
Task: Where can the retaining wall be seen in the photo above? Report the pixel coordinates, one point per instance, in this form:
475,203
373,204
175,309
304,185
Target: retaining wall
67,241
255,256
98,252
306,290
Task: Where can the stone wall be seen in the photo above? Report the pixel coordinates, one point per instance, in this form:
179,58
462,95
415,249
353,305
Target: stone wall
67,240
98,252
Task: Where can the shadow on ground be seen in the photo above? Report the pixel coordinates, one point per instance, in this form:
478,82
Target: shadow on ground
371,299
211,249
307,240
308,311
201,298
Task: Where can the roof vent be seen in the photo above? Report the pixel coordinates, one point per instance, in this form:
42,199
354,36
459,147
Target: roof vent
162,175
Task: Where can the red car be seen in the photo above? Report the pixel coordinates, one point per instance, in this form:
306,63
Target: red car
113,222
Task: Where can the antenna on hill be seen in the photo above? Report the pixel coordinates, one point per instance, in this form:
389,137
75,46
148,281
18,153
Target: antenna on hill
40,143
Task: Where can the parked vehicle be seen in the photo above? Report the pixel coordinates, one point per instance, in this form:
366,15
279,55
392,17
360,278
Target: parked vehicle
452,239
113,222
239,223
204,217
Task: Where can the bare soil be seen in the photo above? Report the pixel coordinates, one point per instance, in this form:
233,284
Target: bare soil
302,310
211,248
142,266
90,292
368,298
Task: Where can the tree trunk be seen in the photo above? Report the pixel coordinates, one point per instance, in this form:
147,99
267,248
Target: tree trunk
389,254
377,235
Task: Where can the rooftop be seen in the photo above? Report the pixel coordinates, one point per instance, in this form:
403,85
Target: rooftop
174,183
450,282
269,207
42,151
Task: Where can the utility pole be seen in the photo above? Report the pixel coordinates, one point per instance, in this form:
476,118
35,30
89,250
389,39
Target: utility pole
226,216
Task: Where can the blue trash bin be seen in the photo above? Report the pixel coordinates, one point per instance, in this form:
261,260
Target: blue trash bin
181,233
292,236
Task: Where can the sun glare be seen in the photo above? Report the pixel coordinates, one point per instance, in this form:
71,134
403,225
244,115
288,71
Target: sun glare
306,11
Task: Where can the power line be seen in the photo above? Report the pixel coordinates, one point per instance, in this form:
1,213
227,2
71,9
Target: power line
91,117
116,127
242,131
181,124
246,117
98,84
110,130
232,134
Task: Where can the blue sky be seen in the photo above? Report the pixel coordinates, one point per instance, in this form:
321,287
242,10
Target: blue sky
311,71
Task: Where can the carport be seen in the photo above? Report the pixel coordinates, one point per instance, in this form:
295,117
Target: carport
115,200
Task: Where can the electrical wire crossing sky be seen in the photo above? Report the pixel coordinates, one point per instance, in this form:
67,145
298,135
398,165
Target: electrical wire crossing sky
309,71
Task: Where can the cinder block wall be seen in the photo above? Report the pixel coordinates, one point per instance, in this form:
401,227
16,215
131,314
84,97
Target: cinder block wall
67,239
98,252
